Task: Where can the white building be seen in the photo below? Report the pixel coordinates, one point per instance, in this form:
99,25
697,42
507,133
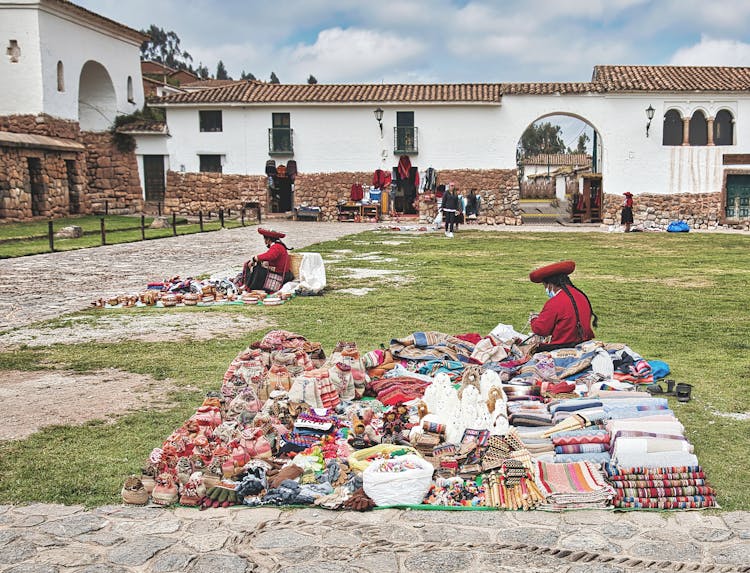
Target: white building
661,130
68,62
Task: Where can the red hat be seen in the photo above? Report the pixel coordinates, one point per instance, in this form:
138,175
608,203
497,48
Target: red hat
271,234
561,268
628,193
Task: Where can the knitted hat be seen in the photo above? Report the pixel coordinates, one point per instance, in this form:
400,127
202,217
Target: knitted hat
271,234
561,268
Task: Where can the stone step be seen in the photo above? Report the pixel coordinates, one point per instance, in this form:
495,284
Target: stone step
543,218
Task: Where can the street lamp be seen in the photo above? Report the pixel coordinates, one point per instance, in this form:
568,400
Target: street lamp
650,115
379,116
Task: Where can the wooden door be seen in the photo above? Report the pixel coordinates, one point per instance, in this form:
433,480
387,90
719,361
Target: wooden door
153,177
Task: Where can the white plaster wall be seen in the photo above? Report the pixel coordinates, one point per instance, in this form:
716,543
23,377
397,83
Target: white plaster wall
347,138
21,82
74,44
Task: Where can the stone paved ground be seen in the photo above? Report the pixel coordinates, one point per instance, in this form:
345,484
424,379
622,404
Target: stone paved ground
41,538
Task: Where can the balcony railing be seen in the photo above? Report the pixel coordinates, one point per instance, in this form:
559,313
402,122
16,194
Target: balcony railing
405,140
280,141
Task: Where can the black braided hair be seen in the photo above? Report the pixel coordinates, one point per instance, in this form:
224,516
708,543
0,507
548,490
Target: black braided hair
563,281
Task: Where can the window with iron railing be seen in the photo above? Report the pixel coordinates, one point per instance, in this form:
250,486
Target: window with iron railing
280,141
404,140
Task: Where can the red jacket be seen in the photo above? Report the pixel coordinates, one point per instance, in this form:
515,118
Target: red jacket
277,257
559,319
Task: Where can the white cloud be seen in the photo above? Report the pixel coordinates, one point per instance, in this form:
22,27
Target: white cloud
352,54
713,52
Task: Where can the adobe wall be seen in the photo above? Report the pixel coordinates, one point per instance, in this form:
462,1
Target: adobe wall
699,210
40,125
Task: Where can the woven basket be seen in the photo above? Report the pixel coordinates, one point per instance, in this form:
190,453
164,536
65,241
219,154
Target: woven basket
295,260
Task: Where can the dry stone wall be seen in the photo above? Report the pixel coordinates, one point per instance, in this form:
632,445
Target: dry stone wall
699,210
189,193
326,190
498,189
101,177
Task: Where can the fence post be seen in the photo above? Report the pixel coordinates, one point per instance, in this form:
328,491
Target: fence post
242,216
258,209
221,218
51,234
104,232
229,212
106,206
143,227
158,208
200,219
174,224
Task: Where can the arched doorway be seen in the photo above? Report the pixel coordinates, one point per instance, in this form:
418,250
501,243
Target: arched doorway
97,102
559,161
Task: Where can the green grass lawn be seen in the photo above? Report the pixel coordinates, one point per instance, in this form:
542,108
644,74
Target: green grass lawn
681,298
21,239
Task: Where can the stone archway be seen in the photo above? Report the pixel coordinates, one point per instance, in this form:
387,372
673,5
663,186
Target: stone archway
97,101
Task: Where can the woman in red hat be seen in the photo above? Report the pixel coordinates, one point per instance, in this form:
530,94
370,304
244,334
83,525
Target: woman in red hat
626,217
270,270
567,316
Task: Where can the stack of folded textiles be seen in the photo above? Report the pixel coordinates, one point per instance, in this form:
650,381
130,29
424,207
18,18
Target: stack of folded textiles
590,408
398,390
650,441
587,444
660,488
528,413
577,485
537,445
637,406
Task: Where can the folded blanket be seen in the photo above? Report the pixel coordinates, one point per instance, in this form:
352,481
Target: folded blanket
582,449
694,502
656,459
598,438
664,492
572,484
594,458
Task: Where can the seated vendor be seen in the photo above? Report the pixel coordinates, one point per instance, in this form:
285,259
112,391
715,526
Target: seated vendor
567,316
270,270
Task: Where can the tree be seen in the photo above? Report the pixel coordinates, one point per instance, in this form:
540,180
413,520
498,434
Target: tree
312,80
221,72
164,47
542,138
274,79
247,76
202,72
583,139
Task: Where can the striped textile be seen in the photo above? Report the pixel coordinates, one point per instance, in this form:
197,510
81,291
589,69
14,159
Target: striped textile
581,449
578,484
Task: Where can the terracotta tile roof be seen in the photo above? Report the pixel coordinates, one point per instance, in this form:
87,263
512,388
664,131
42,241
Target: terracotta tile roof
558,159
210,83
144,126
671,78
549,88
605,79
261,92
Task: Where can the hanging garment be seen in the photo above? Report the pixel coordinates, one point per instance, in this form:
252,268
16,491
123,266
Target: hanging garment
430,180
356,193
270,167
404,166
291,169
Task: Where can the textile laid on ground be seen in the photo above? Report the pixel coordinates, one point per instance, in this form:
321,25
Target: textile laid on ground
454,420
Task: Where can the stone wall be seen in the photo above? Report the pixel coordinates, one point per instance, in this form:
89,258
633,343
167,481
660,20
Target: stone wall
113,181
15,185
189,193
102,176
699,210
40,125
325,190
498,189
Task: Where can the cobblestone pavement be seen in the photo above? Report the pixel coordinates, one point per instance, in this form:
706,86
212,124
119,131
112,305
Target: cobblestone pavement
112,539
42,538
69,281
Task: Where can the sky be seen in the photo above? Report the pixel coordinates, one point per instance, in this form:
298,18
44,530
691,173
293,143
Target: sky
443,41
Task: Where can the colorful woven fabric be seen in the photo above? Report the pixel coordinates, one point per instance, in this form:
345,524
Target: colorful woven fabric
578,484
648,503
582,448
600,437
